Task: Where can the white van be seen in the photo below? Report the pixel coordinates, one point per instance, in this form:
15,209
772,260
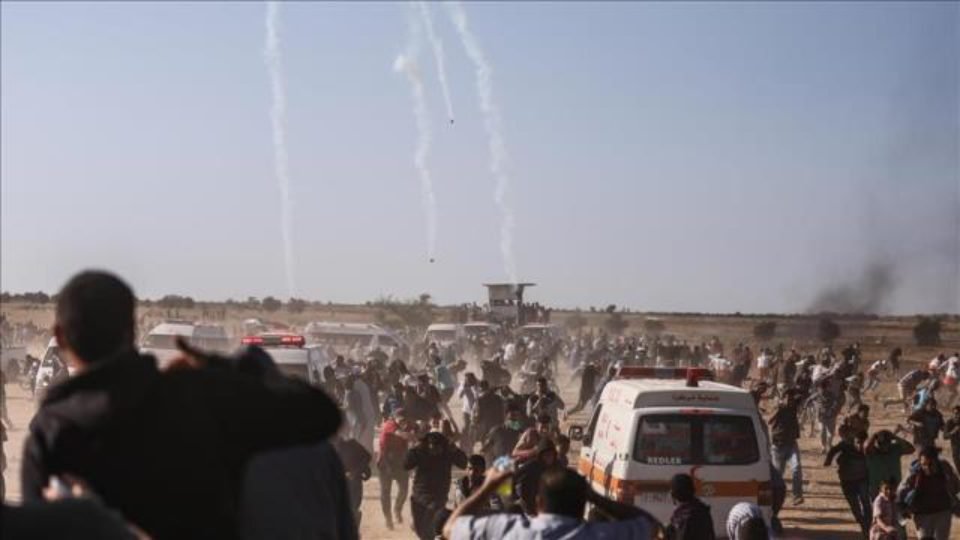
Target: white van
481,329
292,356
653,423
161,341
344,336
540,332
444,334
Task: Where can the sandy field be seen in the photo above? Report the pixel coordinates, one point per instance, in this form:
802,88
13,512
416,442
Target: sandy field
824,514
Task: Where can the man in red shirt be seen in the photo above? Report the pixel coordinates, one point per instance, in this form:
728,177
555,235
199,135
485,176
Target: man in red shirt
396,433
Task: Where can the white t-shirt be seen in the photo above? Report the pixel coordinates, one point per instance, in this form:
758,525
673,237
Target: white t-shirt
763,361
548,527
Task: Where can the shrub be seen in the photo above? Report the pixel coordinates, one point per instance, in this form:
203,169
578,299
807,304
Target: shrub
927,331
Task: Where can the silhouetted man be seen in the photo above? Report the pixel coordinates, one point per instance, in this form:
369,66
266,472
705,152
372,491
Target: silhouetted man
166,449
431,461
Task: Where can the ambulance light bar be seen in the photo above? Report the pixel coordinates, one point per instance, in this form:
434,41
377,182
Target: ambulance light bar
692,375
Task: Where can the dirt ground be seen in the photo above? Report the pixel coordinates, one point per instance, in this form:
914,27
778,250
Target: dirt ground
823,515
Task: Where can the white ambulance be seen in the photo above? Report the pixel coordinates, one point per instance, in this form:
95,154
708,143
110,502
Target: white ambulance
292,355
653,423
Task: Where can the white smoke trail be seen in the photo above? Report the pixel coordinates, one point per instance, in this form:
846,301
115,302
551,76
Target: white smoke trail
406,64
437,45
492,123
278,119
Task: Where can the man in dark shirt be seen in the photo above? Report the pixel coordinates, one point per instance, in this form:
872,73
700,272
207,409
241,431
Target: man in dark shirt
417,408
166,449
784,432
489,411
528,475
852,473
691,518
472,481
927,423
502,439
431,460
356,465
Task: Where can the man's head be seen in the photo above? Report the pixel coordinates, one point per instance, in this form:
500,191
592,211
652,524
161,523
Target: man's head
542,387
476,466
929,458
888,487
514,419
863,411
753,529
434,443
859,439
956,411
94,318
484,385
562,491
544,423
930,405
681,488
884,439
547,452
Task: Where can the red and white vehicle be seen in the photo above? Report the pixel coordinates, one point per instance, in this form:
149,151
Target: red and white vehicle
653,423
292,355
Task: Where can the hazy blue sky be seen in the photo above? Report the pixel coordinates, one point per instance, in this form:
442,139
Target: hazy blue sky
677,156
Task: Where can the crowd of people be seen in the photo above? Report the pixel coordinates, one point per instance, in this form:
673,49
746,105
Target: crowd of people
217,446
827,395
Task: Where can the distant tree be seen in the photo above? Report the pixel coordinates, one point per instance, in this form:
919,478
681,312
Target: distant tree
654,326
576,322
927,331
610,308
615,323
296,305
765,330
175,301
827,330
415,313
252,303
271,304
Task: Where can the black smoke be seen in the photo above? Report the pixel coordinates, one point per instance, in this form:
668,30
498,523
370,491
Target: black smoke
869,292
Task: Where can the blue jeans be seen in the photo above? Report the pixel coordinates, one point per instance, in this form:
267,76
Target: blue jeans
789,455
828,426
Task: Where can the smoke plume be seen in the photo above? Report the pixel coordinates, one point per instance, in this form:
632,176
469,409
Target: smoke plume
492,124
278,120
437,45
406,64
870,292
